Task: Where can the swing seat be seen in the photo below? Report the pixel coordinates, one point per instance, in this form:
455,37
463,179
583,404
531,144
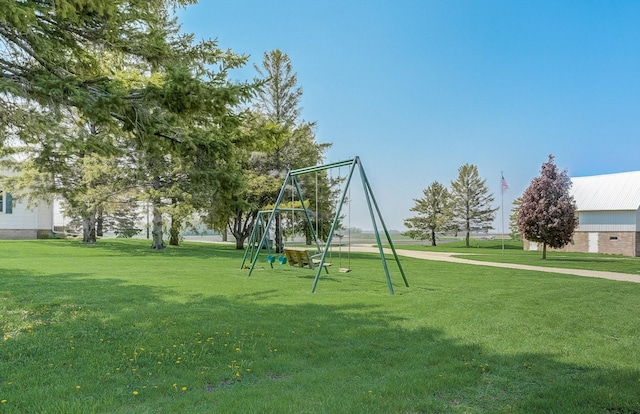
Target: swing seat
301,258
271,259
344,270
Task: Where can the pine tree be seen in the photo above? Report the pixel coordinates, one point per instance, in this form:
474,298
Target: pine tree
513,219
124,68
547,214
287,142
472,202
434,213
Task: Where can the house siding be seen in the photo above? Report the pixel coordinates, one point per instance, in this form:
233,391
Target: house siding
603,221
26,222
15,234
610,242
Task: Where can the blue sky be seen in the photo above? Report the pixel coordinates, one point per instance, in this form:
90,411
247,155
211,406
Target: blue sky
418,88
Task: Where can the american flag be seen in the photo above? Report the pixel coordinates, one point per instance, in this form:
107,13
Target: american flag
504,185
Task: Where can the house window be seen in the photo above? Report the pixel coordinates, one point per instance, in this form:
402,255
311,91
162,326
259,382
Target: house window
6,203
8,208
613,237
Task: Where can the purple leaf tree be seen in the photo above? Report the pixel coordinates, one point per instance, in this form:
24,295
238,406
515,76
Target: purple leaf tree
547,214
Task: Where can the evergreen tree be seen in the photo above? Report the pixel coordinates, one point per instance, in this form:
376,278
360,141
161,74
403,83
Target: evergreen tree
286,142
279,98
547,214
434,213
122,67
472,209
513,219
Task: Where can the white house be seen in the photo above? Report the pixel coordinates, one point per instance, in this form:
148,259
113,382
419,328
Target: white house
17,221
608,214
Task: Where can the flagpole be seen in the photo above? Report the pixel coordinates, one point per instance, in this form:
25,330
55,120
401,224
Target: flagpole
502,185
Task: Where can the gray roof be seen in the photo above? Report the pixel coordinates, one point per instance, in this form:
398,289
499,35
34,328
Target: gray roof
620,191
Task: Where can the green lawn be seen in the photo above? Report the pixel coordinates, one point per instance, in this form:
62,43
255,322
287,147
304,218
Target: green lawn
119,328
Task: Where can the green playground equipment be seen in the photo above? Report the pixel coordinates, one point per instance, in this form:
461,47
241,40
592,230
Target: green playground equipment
291,180
260,230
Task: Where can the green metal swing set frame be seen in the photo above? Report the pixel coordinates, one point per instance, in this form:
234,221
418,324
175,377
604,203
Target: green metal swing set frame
374,210
259,229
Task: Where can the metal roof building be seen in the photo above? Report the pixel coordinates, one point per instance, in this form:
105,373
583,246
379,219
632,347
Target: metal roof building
616,192
608,208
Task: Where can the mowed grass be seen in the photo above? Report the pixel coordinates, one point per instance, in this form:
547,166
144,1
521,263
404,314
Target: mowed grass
119,328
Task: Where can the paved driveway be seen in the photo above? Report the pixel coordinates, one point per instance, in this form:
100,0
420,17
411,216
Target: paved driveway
448,257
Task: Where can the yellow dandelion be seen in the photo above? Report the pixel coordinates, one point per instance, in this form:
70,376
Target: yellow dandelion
135,393
237,349
77,387
174,385
184,388
3,401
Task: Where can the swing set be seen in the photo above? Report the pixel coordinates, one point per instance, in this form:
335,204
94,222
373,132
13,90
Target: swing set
259,229
318,261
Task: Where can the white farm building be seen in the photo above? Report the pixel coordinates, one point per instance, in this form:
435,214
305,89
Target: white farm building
608,214
19,221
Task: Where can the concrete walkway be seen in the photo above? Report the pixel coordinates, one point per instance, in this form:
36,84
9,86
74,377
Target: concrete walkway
448,257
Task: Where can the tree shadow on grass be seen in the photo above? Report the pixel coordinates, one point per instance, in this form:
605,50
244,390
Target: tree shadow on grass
142,248
87,345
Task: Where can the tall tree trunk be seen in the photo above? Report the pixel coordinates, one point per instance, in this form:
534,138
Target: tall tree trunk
433,237
225,235
100,223
240,243
241,229
308,239
544,251
89,228
174,231
157,241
